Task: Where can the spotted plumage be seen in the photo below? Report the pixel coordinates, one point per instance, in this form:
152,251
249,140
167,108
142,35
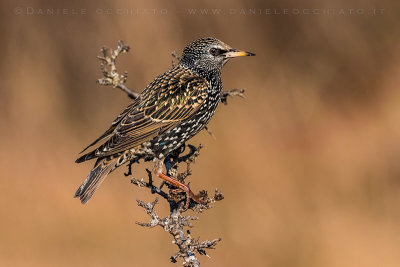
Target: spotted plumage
174,107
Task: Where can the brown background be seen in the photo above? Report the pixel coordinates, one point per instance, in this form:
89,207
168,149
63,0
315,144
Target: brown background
309,162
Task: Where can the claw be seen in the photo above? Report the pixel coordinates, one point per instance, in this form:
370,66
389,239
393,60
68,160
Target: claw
185,188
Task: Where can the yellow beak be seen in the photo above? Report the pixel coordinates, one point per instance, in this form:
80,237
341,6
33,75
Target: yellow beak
237,53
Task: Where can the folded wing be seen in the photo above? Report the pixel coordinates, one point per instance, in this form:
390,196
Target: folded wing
170,99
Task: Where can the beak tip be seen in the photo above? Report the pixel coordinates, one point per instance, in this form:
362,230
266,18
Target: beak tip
238,53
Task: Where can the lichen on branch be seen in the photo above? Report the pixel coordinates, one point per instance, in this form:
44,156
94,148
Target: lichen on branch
109,69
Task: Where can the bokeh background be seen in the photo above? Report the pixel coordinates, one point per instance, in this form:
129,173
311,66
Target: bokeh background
308,162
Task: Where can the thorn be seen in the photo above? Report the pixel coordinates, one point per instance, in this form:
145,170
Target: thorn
210,133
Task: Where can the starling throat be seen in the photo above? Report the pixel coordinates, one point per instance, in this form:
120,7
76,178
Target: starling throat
172,109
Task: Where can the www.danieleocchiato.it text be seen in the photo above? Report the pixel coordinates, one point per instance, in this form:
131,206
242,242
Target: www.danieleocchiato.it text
285,11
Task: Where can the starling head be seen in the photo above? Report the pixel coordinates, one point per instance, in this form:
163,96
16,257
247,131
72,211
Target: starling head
209,55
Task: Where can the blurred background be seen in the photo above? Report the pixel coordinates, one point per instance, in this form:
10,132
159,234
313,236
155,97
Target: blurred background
308,162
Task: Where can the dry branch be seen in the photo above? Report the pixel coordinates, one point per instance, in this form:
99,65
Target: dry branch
109,69
176,222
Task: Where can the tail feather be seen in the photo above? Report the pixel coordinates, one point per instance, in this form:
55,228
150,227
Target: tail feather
96,176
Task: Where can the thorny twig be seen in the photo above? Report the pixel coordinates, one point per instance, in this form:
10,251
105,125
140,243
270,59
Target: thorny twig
176,195
233,92
210,133
111,76
175,222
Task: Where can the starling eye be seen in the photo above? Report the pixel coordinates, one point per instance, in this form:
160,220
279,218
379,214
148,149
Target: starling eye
215,52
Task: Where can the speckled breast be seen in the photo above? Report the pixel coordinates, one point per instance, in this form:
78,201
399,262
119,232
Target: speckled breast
165,143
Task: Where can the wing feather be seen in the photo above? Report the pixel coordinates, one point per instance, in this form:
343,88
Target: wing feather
165,103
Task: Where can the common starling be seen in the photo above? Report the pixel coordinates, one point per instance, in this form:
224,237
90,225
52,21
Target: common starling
173,108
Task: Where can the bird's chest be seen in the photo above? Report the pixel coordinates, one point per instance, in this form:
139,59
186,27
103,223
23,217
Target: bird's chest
177,136
207,110
200,119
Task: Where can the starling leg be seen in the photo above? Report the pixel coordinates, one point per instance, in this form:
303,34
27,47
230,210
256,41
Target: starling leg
169,163
185,188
